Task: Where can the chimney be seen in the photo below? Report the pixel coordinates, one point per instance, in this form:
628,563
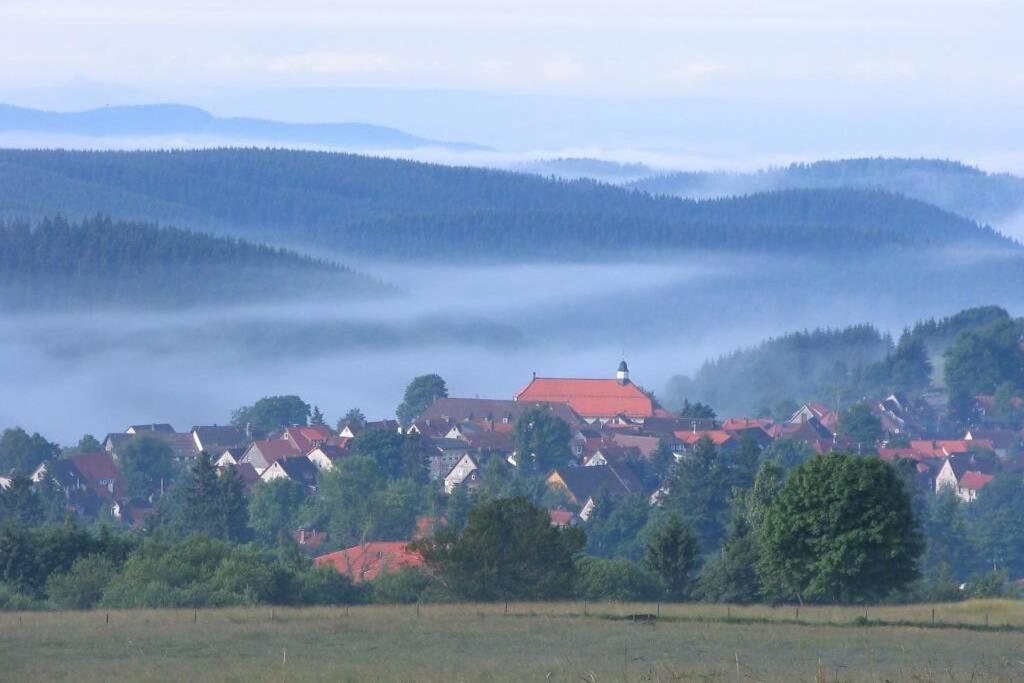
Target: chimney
302,536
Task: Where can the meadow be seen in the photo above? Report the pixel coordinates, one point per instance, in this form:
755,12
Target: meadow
970,641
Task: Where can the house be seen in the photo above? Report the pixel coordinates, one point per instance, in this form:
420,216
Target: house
818,411
611,454
368,561
92,472
245,472
131,511
304,438
264,453
298,469
216,439
325,456
229,456
582,485
162,428
1003,441
646,445
443,454
466,466
183,447
930,448
965,474
561,517
722,439
309,540
593,399
350,429
490,414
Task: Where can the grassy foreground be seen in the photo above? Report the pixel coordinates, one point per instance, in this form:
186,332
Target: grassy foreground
548,641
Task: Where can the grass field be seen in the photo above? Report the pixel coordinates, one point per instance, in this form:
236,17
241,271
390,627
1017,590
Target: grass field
550,641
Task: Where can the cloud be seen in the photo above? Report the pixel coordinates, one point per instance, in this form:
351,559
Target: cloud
326,63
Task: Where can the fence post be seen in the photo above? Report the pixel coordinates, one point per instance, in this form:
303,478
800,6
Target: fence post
195,616
417,609
933,615
584,608
108,617
798,612
271,613
659,610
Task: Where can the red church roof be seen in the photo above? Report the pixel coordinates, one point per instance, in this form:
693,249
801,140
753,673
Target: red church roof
590,397
366,562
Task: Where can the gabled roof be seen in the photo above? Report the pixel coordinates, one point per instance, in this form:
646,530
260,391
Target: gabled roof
299,469
941,449
160,428
645,444
273,449
219,437
974,481
590,397
561,517
305,437
588,482
484,410
367,561
717,436
96,467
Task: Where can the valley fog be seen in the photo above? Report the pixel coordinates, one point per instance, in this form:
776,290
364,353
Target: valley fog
485,329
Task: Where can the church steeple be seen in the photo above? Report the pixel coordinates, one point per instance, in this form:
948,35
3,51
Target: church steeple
623,373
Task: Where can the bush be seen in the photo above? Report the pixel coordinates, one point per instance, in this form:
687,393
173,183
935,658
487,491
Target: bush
406,586
615,579
82,586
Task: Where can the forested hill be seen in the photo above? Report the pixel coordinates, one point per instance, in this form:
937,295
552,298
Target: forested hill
102,263
953,186
390,208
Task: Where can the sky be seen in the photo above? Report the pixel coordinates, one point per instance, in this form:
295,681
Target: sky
569,73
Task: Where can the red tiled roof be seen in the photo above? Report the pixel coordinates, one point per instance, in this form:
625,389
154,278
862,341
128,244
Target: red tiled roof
366,562
275,449
561,517
735,423
96,466
941,449
717,436
974,481
590,397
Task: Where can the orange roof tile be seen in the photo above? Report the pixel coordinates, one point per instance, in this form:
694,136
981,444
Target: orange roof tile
974,481
366,562
590,397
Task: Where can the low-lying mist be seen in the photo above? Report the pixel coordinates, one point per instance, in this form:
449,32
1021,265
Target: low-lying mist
485,329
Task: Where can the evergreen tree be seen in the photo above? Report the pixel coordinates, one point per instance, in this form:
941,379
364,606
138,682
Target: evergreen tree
316,418
674,555
19,504
732,575
541,440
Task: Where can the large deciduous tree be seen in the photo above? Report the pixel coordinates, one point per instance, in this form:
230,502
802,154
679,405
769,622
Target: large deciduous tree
272,413
841,529
22,453
421,392
147,464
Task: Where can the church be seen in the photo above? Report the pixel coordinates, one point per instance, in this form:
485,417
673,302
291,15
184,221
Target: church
596,400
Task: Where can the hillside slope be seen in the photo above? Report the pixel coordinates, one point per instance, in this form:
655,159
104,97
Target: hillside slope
956,187
102,263
389,208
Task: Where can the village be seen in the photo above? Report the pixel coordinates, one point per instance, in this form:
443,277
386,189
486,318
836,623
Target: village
616,435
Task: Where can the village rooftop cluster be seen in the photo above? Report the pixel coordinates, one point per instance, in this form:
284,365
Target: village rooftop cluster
616,429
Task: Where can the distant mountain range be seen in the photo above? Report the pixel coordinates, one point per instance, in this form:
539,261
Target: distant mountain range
386,208
994,198
158,121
